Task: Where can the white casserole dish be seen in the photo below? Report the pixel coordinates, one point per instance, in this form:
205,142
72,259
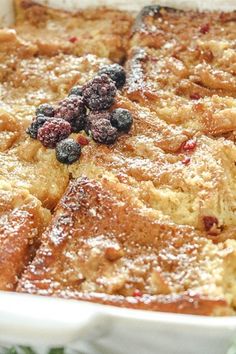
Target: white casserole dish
85,328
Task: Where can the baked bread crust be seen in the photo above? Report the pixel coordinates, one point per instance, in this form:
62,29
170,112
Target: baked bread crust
22,220
132,233
101,31
102,246
186,77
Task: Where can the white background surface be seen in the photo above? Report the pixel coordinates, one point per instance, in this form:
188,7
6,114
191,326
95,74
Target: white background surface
227,5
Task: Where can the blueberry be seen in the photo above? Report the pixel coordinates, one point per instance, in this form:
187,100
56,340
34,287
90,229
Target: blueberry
116,73
45,109
37,123
121,119
68,151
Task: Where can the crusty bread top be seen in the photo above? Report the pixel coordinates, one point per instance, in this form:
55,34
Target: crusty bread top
133,232
102,243
182,66
26,81
22,220
101,31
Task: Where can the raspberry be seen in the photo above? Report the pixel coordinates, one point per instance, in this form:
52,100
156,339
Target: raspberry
72,109
205,28
121,119
73,39
76,90
116,73
68,151
94,117
45,109
137,293
211,225
37,123
186,160
195,96
189,145
82,140
99,93
53,131
103,132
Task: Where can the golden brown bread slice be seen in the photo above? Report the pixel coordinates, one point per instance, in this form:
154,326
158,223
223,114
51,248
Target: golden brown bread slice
22,220
103,247
187,77
10,130
32,167
137,233
101,31
27,80
156,167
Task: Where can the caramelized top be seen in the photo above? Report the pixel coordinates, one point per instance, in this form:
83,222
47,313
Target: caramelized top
22,219
101,242
103,32
182,66
151,223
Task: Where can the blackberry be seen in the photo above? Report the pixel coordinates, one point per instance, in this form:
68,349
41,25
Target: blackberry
94,117
76,90
103,132
72,109
68,151
53,131
99,93
121,119
45,109
116,72
78,124
37,123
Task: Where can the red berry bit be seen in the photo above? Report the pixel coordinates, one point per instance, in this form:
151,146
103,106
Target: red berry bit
82,140
195,96
53,131
189,145
211,225
137,293
186,160
73,39
205,28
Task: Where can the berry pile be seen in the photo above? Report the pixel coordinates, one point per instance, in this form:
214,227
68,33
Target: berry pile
86,108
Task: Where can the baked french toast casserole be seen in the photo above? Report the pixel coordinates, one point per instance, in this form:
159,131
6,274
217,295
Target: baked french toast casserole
118,157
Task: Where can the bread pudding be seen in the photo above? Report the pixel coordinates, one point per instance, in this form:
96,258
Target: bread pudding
22,220
103,32
135,165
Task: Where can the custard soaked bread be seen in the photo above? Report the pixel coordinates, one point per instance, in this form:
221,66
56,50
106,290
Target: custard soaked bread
103,247
148,220
182,66
103,32
22,220
185,179
26,81
153,228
